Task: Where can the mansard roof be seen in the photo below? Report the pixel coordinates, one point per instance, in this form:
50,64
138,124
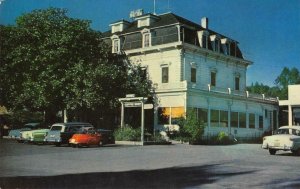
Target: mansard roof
165,20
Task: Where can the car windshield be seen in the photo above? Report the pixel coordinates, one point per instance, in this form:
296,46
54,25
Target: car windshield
296,132
91,131
55,128
282,131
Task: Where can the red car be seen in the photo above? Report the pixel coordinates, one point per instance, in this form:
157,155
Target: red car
87,137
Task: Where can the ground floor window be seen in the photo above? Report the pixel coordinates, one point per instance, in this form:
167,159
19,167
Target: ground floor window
251,120
234,119
296,116
218,118
242,120
169,115
214,118
176,114
163,116
202,115
223,118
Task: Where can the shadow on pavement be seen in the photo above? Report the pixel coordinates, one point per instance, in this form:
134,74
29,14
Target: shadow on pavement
285,183
174,177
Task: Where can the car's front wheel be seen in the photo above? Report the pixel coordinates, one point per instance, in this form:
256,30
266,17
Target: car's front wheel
100,143
272,151
58,144
296,152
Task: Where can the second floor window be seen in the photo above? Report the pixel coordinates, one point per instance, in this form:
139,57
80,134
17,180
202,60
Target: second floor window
237,83
193,75
165,74
147,40
213,76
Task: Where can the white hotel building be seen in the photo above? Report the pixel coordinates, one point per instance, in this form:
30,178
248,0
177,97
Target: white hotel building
192,66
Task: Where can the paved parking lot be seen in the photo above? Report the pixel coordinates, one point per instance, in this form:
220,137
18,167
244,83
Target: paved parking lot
170,166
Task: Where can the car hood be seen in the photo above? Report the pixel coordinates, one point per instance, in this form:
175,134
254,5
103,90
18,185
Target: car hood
17,132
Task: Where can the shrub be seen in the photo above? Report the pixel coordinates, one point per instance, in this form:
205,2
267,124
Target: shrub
127,134
223,138
158,138
191,129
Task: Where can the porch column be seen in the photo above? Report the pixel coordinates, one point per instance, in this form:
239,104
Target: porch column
122,114
142,122
65,116
290,116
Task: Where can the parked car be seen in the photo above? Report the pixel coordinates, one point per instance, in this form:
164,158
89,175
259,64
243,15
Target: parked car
16,133
34,136
107,135
286,138
60,133
88,136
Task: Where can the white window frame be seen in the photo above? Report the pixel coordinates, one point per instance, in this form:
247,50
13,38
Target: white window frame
235,84
115,40
149,39
214,39
213,70
162,77
146,32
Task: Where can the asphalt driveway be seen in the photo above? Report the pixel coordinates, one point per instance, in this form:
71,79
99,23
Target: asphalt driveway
170,166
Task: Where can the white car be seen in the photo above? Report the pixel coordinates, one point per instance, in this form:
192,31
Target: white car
286,138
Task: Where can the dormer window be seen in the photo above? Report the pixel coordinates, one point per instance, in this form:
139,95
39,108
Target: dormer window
145,20
226,46
203,38
146,37
146,40
217,45
119,26
204,41
116,44
215,42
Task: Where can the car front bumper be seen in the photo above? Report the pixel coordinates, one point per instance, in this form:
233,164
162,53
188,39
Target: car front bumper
284,147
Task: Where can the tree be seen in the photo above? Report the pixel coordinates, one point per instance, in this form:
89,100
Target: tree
287,77
52,62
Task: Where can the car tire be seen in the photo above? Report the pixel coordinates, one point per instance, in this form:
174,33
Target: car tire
296,152
272,151
57,144
100,143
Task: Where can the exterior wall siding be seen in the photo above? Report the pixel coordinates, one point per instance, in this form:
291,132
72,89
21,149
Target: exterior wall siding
155,61
226,71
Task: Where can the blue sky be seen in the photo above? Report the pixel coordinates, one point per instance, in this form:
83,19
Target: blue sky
268,31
